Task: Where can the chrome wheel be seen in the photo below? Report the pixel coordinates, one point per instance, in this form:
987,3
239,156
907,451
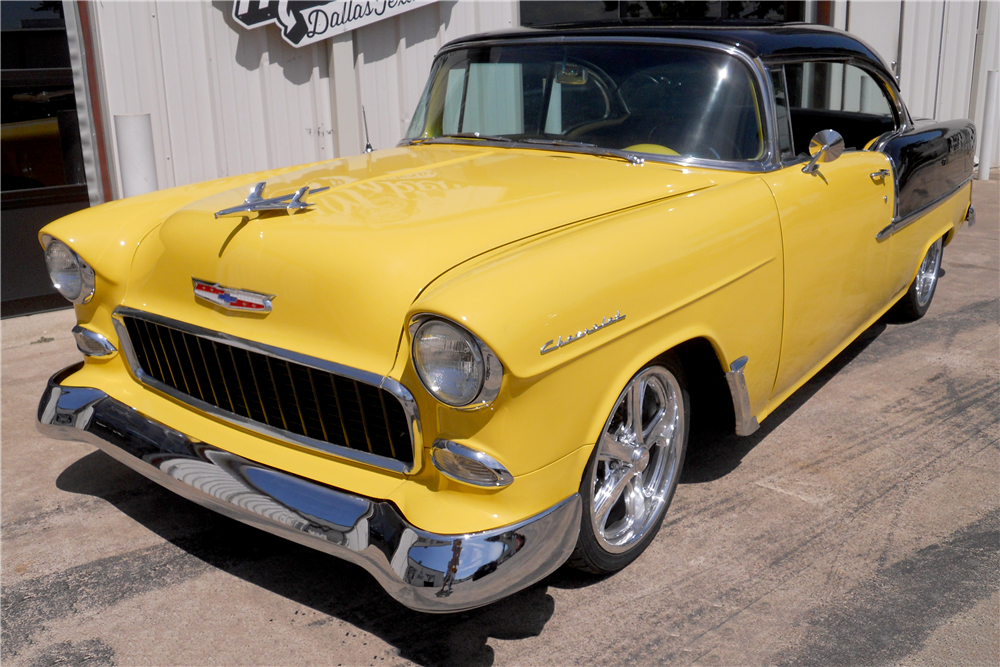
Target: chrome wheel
927,274
637,460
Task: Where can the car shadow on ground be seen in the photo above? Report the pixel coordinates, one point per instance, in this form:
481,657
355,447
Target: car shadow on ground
715,450
337,590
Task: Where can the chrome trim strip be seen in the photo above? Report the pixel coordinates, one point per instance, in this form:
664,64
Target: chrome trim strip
392,386
770,161
503,476
746,421
901,223
97,339
425,571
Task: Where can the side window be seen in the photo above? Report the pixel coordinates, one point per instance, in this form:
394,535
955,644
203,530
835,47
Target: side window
836,96
781,108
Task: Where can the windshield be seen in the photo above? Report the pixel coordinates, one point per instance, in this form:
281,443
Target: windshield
658,100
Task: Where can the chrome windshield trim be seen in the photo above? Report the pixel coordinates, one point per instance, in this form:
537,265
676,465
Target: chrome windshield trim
426,571
770,161
401,393
901,223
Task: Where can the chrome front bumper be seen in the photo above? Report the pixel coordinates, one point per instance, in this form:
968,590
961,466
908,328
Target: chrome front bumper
424,571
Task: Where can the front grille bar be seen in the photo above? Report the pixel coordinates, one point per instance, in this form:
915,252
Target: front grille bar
289,396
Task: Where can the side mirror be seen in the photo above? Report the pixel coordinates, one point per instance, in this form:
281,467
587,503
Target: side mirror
825,146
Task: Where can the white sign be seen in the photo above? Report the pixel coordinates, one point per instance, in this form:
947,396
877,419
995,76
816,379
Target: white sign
308,22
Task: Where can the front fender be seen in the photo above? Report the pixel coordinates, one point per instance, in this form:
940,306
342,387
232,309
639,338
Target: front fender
707,264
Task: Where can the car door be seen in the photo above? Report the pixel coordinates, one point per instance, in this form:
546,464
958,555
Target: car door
835,269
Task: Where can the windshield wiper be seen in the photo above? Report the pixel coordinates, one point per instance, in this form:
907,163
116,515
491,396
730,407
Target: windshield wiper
592,149
559,142
460,135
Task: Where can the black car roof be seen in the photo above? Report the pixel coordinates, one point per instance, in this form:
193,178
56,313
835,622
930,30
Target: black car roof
788,40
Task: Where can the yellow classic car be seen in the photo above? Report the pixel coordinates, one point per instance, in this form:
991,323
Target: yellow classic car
466,360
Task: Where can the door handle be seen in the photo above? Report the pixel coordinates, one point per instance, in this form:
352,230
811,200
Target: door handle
879,175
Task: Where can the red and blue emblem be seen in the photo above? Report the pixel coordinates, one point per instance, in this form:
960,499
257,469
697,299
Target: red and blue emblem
233,299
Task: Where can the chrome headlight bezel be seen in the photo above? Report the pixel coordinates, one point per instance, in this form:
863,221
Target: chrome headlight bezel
86,273
492,368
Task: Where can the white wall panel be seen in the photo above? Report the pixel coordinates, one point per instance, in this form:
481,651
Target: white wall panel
957,56
223,100
989,60
877,23
922,29
393,57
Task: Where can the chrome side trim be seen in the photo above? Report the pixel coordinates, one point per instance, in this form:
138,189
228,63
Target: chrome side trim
746,421
401,393
425,571
92,343
901,223
770,161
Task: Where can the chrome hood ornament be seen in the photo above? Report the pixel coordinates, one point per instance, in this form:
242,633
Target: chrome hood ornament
256,202
233,299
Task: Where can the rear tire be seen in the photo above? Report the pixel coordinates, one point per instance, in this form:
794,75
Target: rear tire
632,474
917,299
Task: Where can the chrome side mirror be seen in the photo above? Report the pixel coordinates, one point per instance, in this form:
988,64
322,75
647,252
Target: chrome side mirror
825,146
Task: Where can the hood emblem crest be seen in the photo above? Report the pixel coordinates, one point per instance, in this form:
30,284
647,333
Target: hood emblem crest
233,299
255,201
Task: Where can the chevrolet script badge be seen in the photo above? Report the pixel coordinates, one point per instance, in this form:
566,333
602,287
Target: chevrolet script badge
233,299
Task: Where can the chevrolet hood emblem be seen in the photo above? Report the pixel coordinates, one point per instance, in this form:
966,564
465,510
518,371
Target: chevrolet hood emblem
233,299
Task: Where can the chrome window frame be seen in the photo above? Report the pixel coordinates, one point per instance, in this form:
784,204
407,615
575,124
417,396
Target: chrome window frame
770,161
401,393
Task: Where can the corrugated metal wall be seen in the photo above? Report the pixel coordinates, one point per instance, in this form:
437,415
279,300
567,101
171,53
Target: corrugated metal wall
225,100
935,44
394,58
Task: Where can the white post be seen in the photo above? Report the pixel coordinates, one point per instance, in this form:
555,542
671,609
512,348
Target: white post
136,160
989,135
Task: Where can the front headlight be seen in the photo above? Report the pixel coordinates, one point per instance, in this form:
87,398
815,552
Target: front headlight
454,366
70,275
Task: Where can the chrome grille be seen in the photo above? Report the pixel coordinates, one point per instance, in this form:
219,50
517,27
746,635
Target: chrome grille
276,393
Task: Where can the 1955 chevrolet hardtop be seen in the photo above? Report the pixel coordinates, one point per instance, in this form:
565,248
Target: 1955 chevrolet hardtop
466,360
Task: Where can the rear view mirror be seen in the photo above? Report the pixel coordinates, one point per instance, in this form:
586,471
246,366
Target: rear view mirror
572,75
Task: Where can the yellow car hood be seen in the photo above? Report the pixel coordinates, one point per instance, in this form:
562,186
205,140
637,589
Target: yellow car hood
344,273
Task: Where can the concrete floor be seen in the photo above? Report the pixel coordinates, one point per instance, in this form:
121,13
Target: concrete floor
859,526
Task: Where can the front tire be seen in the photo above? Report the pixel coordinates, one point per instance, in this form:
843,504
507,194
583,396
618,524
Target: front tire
917,299
632,474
